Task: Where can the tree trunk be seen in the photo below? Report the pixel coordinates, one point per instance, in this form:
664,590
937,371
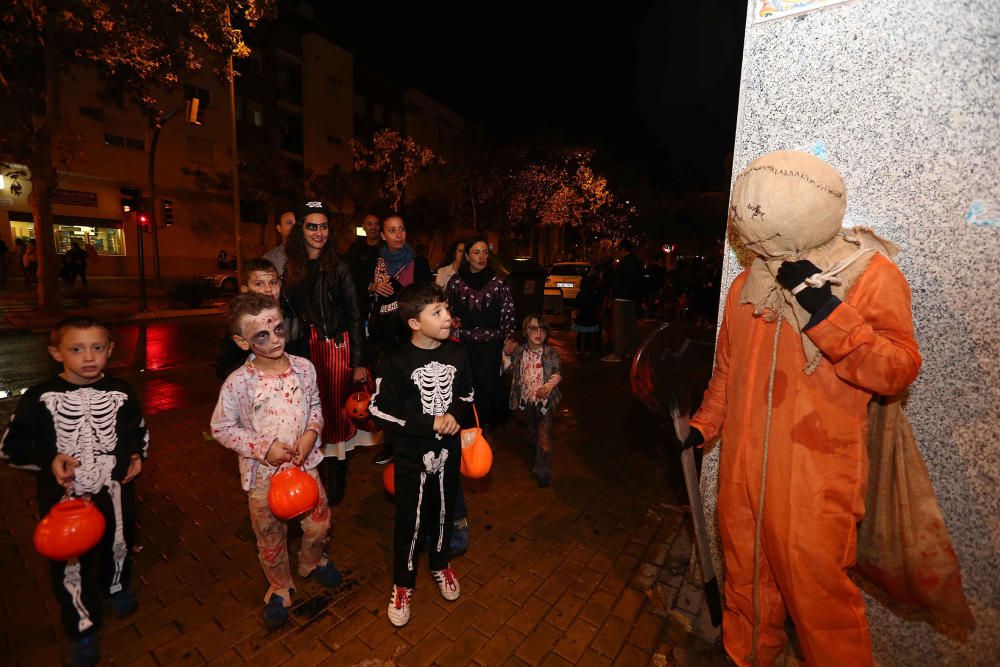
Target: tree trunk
44,179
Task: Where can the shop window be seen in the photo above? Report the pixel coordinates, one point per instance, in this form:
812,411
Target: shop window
105,240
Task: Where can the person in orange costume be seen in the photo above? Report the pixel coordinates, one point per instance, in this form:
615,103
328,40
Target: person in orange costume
793,377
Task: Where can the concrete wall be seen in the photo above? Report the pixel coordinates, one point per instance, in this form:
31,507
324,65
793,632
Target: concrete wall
903,98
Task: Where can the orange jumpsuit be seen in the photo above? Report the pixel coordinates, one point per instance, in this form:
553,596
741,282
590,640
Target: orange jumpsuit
817,463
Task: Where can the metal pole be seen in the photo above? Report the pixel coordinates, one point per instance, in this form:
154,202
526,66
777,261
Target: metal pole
143,307
152,190
236,164
152,194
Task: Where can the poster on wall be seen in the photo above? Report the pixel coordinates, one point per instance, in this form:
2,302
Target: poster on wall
768,10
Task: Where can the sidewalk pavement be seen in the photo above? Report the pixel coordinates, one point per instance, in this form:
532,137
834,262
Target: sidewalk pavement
589,571
111,300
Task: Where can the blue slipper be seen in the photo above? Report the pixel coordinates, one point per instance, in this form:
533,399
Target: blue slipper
328,575
85,651
275,614
123,603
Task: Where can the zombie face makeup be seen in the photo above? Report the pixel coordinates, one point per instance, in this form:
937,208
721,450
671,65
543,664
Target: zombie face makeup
536,333
263,334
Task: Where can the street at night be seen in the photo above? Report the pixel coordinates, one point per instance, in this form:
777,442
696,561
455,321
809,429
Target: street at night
552,576
660,334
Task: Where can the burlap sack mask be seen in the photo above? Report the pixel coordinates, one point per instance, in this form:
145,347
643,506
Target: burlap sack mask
788,206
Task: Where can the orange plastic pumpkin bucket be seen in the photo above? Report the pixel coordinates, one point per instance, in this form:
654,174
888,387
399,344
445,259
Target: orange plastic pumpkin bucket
292,494
70,529
356,405
477,455
389,479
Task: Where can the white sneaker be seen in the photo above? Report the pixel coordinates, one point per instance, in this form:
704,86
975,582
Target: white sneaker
399,605
447,583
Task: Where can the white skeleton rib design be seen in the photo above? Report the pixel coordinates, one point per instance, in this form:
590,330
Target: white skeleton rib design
85,421
433,465
434,380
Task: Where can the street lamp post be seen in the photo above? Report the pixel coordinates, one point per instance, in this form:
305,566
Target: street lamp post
152,192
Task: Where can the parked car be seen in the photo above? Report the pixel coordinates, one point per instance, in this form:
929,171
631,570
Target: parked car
566,277
226,281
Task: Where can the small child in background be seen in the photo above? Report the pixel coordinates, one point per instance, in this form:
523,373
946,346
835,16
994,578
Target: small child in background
84,433
534,388
259,276
269,414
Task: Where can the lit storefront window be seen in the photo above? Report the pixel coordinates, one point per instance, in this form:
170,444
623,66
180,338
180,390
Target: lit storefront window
105,240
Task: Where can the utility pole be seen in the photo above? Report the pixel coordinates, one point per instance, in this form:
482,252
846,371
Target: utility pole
236,162
152,190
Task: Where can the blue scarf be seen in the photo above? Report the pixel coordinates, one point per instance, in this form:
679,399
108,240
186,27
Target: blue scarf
396,260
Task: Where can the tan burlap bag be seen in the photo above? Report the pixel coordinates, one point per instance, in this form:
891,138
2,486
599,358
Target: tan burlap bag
903,543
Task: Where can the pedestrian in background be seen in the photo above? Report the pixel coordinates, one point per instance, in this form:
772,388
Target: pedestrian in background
30,262
627,290
451,263
276,255
3,262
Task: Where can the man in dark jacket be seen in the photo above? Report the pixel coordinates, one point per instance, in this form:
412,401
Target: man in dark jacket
627,288
361,258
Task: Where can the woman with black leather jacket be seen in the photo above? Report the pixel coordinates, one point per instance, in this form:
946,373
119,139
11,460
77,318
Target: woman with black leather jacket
322,294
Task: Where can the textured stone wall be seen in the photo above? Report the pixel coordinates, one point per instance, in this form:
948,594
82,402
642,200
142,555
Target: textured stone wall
903,98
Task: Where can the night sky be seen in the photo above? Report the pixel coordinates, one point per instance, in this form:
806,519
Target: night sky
654,84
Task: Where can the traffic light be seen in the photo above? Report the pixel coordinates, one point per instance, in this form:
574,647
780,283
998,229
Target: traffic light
143,220
130,199
168,212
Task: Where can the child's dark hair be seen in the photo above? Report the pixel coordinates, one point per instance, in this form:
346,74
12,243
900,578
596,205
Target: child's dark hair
250,303
413,299
75,322
543,324
254,265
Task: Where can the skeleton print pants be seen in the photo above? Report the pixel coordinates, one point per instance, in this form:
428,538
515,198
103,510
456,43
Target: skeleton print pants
80,585
540,429
272,540
419,494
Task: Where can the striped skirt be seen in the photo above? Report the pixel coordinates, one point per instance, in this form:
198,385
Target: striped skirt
333,375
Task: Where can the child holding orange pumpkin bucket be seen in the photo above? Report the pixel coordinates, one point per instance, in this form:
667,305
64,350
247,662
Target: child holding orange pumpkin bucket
534,388
423,392
269,413
84,433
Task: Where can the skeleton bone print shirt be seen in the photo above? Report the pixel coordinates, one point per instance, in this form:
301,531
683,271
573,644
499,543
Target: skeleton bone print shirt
100,425
412,387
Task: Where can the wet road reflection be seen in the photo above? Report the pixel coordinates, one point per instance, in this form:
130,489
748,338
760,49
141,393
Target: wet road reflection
170,362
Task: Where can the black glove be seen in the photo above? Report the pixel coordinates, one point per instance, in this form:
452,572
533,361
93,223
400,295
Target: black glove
791,274
694,439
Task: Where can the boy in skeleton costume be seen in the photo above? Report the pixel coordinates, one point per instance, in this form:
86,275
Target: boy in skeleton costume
84,433
423,392
817,324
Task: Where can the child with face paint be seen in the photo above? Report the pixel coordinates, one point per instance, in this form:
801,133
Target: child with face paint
269,414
